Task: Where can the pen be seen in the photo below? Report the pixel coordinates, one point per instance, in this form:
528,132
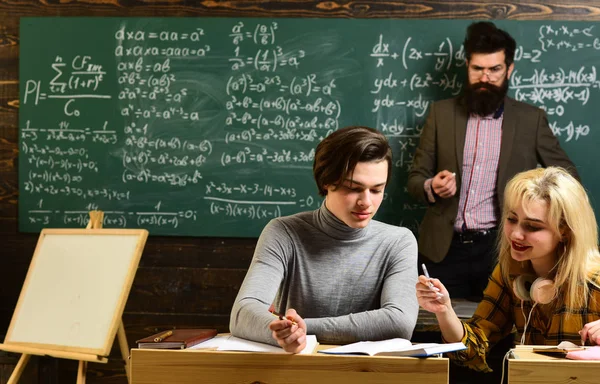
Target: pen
162,336
426,275
281,317
429,283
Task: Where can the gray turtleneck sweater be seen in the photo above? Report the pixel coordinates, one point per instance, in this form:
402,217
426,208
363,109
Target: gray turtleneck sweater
348,284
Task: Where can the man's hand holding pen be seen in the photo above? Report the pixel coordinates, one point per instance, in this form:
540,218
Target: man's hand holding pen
289,331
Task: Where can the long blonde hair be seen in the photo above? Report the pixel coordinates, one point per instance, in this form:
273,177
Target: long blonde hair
570,216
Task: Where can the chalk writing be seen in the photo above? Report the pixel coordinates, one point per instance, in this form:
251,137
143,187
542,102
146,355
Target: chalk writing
208,126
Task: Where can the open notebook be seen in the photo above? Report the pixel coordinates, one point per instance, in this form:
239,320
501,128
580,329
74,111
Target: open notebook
232,343
394,347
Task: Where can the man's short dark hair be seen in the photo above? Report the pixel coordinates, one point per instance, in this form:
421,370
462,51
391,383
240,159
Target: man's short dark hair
337,155
485,37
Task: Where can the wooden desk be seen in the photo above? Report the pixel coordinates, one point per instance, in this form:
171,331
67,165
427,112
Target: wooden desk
529,367
154,366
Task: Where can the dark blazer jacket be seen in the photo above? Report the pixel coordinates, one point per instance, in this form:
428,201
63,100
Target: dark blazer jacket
527,141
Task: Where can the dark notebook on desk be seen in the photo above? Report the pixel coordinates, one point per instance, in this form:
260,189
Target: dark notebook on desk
179,339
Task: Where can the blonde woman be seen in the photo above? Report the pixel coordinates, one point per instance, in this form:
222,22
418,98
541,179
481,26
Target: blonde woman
547,281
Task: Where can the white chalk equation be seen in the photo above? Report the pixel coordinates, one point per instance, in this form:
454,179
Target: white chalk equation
195,126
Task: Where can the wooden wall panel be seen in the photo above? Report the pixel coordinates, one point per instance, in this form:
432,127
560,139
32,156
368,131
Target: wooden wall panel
185,281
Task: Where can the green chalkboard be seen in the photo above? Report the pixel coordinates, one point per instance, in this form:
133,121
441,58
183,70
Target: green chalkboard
207,126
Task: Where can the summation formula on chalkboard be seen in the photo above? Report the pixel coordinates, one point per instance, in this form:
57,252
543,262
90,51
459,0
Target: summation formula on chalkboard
208,126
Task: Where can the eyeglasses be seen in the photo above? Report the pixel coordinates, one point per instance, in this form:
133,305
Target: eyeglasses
492,74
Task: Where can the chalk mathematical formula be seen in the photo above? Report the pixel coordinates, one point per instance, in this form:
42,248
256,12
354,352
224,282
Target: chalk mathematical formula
197,126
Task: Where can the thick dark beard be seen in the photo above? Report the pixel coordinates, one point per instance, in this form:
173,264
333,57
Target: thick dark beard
483,99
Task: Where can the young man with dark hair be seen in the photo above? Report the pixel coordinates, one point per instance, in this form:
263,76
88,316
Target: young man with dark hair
339,274
470,147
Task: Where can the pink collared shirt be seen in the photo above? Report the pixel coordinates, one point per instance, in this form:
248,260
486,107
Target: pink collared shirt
477,205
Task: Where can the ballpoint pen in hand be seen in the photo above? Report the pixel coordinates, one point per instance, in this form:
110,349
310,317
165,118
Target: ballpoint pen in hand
429,283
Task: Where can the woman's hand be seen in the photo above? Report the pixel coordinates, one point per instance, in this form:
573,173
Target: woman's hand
591,331
432,295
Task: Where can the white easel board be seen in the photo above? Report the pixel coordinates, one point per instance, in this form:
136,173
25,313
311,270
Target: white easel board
75,291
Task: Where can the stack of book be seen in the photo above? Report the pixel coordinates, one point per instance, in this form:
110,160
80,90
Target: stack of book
176,338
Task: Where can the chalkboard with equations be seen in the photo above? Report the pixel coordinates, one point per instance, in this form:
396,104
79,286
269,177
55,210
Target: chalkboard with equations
207,126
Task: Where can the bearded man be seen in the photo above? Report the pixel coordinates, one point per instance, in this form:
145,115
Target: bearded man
469,148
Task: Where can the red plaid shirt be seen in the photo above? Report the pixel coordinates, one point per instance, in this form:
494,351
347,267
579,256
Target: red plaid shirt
477,208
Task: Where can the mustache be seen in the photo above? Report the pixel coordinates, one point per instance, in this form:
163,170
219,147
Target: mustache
484,98
488,86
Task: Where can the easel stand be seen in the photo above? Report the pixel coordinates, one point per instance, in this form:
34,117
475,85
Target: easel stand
96,219
83,358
